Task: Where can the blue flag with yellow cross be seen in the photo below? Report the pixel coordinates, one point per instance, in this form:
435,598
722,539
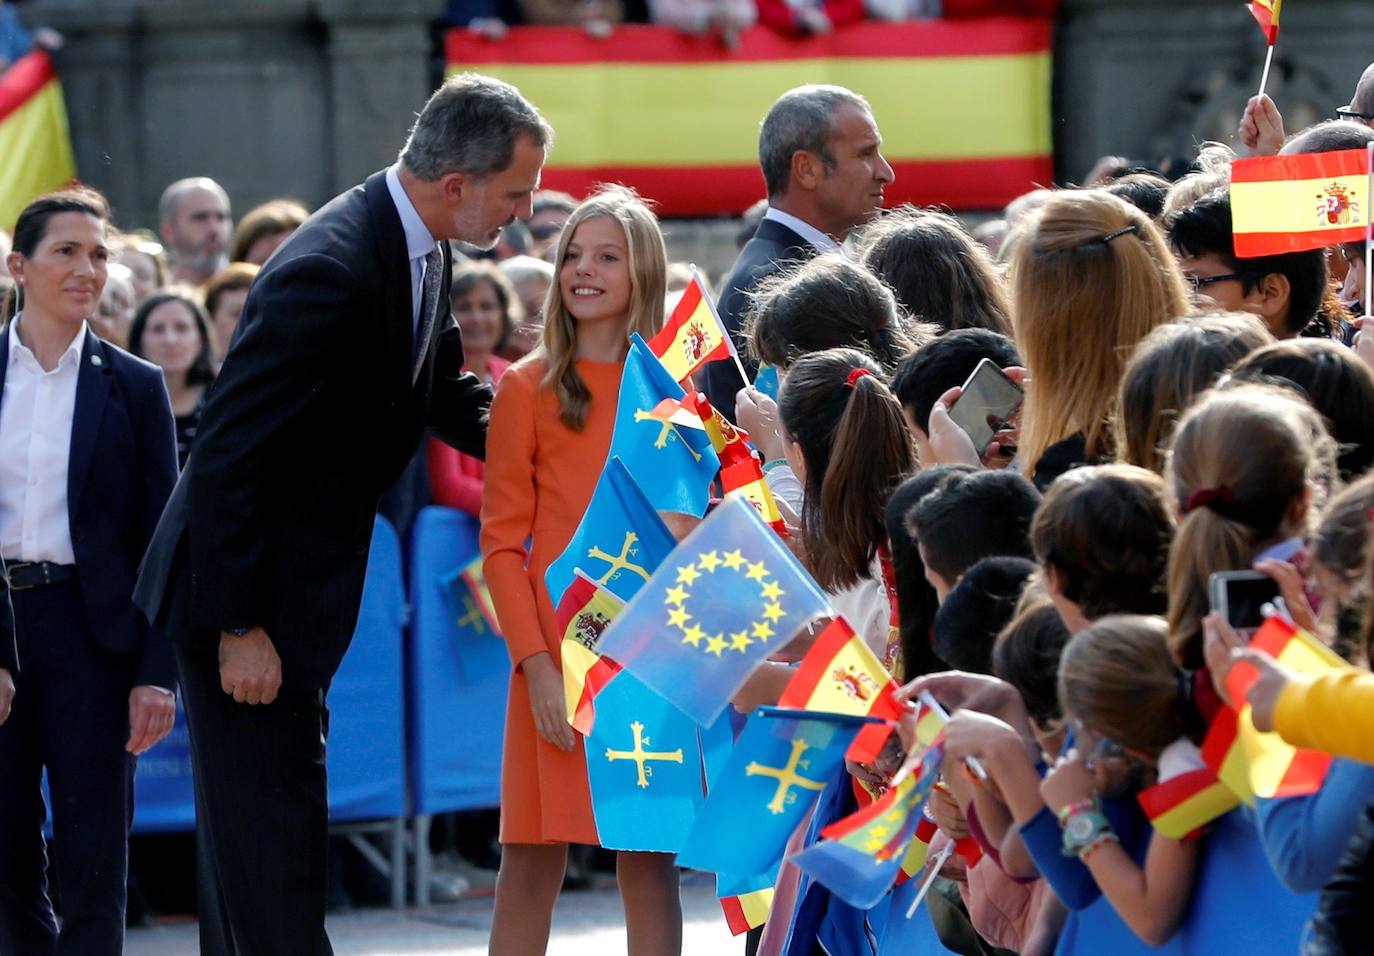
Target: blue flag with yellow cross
728,596
674,463
780,764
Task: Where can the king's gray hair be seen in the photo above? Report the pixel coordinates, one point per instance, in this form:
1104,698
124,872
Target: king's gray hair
470,126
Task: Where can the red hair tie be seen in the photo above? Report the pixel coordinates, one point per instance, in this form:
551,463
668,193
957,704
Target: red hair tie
1208,497
854,377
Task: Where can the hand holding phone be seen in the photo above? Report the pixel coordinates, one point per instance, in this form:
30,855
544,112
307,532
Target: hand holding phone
1240,596
986,402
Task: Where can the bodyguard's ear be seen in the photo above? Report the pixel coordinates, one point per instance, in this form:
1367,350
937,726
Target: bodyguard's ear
807,169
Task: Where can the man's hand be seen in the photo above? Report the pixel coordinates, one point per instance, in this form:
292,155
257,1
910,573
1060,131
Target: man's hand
151,714
1261,127
249,668
6,694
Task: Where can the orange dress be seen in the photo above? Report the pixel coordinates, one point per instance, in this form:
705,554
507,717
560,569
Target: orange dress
539,480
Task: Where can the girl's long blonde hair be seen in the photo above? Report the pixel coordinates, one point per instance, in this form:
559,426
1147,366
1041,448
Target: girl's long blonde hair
1091,276
648,266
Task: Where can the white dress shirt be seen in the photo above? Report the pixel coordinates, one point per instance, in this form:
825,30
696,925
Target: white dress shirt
36,413
810,233
419,243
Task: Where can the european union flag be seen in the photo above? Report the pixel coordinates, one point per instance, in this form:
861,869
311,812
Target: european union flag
644,764
674,465
619,542
780,764
730,595
860,857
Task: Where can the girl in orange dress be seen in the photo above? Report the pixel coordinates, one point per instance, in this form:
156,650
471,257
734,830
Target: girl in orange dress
550,432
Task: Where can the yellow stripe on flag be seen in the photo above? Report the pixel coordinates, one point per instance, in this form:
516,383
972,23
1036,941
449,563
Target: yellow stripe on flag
37,151
851,682
755,906
577,661
761,497
655,124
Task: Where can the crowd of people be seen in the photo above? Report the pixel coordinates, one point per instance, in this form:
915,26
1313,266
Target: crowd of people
1185,412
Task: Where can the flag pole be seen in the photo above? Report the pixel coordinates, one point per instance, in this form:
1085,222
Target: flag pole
945,853
1268,62
1369,234
730,339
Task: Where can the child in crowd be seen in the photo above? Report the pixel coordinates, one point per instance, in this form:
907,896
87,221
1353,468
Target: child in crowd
554,412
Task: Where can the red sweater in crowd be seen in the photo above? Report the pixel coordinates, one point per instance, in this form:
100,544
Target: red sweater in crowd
455,479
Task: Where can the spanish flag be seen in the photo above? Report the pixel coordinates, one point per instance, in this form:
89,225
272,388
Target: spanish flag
693,334
1293,203
1266,12
34,141
746,911
582,616
476,580
1255,764
919,850
840,675
1181,806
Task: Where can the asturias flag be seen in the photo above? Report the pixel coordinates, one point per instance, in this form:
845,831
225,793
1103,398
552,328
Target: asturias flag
1292,203
781,763
619,542
583,615
841,674
693,334
729,596
1266,13
674,465
34,138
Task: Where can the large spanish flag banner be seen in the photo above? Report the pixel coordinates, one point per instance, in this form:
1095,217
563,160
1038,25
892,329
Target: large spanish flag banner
963,106
35,146
1292,203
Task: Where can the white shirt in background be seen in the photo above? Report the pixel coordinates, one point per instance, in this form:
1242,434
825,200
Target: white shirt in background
810,233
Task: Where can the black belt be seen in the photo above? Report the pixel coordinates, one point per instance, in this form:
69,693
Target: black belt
24,575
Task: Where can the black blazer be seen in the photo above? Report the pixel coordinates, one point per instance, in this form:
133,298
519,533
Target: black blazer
772,248
311,418
121,467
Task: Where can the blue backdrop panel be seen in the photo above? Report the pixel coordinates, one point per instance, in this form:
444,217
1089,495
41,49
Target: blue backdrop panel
459,673
366,735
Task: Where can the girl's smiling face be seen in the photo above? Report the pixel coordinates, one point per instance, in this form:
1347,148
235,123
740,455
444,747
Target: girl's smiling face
594,277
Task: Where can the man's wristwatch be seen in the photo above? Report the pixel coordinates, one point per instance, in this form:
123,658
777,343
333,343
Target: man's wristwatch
237,631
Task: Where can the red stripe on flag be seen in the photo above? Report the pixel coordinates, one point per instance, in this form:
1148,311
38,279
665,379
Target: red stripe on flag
706,190
1221,736
1304,774
29,74
816,663
1269,169
598,676
734,915
638,43
1252,245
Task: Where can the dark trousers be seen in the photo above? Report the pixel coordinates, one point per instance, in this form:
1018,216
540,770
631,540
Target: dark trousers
71,716
262,814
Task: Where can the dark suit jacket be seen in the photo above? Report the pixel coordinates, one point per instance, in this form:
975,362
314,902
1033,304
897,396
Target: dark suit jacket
121,467
771,249
312,417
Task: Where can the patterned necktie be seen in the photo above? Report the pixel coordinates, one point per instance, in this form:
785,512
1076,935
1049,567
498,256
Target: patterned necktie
429,296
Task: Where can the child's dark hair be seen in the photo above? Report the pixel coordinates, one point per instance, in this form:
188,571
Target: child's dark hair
1104,531
938,273
1241,459
1119,678
1026,654
975,516
939,365
916,598
1144,191
1338,384
825,303
1169,368
977,609
848,425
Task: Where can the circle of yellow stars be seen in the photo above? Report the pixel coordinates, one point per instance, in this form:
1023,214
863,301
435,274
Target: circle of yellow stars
707,564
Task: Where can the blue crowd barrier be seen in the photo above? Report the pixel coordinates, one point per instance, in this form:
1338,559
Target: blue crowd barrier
366,753
459,673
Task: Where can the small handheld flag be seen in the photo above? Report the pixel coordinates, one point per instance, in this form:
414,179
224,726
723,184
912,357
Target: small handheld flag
583,615
1181,806
474,577
1293,203
729,596
1266,14
693,334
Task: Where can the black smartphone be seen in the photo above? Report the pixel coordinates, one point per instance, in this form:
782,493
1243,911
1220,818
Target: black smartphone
1241,596
988,400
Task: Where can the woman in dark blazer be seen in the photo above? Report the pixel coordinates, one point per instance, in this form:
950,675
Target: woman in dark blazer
87,460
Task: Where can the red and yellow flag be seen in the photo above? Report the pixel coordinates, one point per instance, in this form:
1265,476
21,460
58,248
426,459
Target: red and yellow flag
1266,12
583,615
746,911
693,334
1293,203
476,580
1181,806
839,674
1255,764
34,139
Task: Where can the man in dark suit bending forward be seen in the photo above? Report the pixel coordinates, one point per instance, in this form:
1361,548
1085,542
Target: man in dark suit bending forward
345,354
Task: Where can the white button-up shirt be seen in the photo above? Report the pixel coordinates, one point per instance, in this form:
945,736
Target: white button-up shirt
36,413
819,240
419,243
